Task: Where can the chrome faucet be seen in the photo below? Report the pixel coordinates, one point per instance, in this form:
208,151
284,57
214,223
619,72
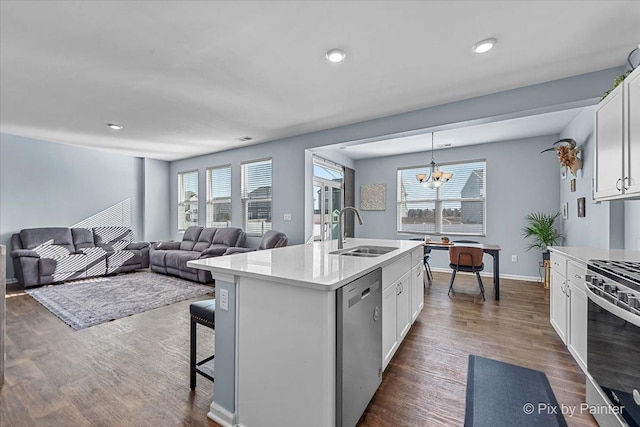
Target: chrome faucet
341,238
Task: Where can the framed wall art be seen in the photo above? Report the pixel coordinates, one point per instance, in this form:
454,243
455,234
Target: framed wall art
373,197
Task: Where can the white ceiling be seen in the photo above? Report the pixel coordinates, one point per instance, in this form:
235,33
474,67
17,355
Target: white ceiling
187,78
504,130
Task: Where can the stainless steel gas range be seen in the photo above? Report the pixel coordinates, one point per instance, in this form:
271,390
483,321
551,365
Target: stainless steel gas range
613,346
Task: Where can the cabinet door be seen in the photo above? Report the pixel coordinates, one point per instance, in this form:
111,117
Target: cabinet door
559,305
578,312
417,291
609,129
632,142
404,305
389,323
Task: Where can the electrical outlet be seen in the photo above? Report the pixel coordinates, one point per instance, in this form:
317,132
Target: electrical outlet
287,217
224,300
514,258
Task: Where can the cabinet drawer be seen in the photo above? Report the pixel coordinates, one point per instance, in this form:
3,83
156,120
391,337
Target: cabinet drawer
417,257
392,272
559,264
576,272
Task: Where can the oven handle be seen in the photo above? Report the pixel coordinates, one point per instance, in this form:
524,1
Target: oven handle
612,308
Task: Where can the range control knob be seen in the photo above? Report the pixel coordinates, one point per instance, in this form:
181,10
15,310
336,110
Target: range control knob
633,301
596,281
588,278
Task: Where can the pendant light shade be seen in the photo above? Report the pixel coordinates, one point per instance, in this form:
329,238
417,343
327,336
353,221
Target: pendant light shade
436,177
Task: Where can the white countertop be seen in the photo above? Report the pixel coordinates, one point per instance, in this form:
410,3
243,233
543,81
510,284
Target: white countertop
309,265
585,254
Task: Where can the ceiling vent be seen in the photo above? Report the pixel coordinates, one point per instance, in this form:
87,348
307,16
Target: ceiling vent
244,139
443,145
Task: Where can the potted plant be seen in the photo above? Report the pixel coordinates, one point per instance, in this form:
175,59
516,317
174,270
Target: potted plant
541,227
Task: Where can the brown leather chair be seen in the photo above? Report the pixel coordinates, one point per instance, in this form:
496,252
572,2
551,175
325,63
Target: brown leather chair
467,259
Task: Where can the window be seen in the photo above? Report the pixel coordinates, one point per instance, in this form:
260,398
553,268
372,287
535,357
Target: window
187,199
457,207
219,196
256,196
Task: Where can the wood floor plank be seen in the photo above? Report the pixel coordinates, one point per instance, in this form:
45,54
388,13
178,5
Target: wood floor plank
134,371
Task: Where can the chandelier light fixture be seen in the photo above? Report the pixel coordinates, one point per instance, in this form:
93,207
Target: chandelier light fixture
436,177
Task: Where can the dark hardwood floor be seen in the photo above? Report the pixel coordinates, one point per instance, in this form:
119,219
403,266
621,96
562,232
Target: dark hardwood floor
134,371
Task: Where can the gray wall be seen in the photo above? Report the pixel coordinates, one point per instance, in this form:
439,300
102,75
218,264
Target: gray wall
291,173
632,225
520,180
156,200
603,223
44,184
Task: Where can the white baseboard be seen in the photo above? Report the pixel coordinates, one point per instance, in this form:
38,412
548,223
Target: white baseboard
11,281
490,275
222,416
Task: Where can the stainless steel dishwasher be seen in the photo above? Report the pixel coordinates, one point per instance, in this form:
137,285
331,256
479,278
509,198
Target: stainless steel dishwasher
359,346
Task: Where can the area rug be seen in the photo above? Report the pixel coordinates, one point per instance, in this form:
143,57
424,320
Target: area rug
89,302
501,394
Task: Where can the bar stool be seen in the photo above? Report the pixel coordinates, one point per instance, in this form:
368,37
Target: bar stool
204,313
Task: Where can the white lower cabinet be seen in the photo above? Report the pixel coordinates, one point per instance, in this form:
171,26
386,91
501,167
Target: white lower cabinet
417,290
403,304
578,312
570,306
558,303
402,300
389,324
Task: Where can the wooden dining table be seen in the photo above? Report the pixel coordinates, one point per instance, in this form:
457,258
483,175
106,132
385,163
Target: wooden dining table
488,248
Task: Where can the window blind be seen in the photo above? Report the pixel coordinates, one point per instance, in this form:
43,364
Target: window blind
457,207
219,196
256,194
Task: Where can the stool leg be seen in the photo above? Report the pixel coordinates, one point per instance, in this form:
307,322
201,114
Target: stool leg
193,354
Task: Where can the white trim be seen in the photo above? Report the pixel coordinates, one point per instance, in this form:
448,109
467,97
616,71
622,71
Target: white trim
222,416
486,274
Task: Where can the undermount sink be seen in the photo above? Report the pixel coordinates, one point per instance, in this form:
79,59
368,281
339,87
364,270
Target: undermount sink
365,251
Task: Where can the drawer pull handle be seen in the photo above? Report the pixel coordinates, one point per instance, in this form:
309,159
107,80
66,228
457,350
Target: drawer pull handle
577,276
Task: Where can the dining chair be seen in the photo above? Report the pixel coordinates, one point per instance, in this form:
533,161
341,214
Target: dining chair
466,259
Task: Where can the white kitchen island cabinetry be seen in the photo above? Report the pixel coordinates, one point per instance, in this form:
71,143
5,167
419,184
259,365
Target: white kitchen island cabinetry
275,343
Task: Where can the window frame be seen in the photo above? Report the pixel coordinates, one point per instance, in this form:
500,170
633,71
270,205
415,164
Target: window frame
245,200
438,202
210,201
181,201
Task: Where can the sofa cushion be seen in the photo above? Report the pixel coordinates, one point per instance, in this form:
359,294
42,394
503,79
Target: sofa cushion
119,259
112,239
205,239
184,258
227,236
59,236
190,238
172,260
82,238
214,250
158,258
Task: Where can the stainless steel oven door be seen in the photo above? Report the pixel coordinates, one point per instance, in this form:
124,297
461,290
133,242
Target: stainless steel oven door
613,354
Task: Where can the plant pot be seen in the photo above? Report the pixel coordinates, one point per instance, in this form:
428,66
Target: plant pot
546,255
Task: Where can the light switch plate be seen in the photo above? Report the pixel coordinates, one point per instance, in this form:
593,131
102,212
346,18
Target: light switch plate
287,217
224,300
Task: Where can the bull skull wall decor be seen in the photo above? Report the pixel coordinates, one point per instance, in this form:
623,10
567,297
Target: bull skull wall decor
568,154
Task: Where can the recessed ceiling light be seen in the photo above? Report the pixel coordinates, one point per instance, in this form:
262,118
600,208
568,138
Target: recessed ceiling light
484,45
335,55
244,138
114,126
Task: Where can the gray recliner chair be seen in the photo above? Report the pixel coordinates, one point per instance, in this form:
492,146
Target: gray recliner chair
272,239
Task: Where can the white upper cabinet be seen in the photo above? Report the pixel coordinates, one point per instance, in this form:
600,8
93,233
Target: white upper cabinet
617,142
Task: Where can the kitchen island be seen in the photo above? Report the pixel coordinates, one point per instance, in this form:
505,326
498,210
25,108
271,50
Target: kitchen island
276,326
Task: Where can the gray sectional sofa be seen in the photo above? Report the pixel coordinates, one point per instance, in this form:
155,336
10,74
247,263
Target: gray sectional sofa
55,254
197,243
